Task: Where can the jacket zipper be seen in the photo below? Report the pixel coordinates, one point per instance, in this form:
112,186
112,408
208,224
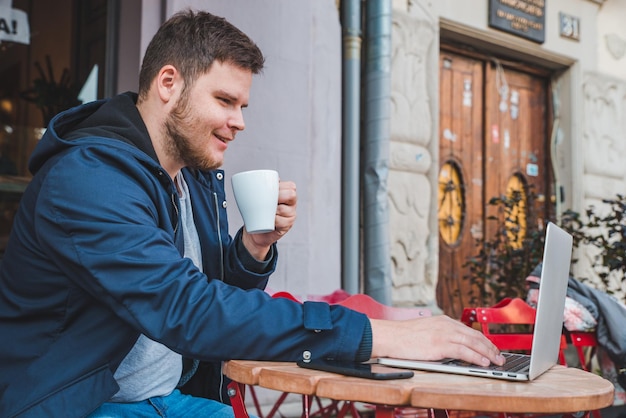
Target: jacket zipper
219,238
174,199
219,235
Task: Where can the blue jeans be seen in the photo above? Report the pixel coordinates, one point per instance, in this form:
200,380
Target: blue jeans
173,405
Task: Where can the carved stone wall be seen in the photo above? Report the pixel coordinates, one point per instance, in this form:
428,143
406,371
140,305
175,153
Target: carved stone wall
413,152
611,51
603,150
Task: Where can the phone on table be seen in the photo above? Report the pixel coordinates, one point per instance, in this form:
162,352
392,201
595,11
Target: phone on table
352,368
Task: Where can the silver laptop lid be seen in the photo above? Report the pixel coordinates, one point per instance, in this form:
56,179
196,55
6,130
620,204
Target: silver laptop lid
557,255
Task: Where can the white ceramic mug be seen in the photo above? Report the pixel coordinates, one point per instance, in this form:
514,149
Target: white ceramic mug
256,194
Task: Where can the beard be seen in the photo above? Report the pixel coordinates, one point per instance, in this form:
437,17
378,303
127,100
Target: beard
179,144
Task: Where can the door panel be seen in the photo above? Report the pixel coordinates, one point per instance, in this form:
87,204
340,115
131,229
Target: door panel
516,141
460,185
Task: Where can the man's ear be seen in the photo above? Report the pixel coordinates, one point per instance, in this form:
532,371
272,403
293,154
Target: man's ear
168,83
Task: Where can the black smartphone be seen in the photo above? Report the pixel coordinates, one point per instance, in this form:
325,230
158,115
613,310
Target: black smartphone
351,368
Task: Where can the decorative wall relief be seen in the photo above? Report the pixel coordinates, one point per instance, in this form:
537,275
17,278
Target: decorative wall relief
604,130
603,148
616,45
410,100
414,102
408,212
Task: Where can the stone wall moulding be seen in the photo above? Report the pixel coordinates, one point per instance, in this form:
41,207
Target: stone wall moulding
603,148
414,69
604,126
409,157
599,187
414,295
616,45
409,198
410,102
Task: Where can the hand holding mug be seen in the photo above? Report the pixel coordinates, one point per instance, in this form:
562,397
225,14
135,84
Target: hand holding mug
283,214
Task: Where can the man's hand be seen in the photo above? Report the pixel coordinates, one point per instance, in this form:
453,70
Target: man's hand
432,338
258,245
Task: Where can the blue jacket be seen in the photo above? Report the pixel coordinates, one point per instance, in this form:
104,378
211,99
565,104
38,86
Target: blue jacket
94,260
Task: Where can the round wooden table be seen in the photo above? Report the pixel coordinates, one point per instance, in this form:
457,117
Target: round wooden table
559,390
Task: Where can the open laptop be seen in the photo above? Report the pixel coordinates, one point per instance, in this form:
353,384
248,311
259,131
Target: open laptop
548,322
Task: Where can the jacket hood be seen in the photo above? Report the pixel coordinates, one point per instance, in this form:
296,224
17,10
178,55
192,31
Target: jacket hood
110,121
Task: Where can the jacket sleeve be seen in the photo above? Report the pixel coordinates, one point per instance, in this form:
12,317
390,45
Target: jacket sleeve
107,224
242,270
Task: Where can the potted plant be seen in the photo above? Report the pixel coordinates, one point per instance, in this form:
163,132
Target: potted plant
49,95
604,229
498,269
503,260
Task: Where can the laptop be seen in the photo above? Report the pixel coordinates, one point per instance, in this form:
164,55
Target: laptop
548,322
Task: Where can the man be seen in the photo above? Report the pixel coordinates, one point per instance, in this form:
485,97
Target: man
119,264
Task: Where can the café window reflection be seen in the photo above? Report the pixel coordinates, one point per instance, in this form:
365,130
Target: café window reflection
59,64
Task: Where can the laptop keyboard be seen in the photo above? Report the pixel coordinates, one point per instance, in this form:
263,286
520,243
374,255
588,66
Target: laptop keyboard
514,363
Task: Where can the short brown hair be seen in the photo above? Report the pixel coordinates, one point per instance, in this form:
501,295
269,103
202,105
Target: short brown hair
191,42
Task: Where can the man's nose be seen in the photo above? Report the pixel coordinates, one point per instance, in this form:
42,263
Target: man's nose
236,121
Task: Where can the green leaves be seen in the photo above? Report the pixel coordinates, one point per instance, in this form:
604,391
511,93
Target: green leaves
506,256
605,229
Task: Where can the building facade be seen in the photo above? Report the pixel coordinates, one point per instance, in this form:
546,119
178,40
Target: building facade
474,104
579,69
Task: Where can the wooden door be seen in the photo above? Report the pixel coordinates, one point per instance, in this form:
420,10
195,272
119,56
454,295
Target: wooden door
493,139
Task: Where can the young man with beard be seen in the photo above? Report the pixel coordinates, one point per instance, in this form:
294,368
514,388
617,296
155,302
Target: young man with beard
120,265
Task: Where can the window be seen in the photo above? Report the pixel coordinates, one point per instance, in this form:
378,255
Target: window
41,76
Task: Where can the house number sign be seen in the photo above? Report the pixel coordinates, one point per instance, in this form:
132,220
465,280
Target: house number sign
524,18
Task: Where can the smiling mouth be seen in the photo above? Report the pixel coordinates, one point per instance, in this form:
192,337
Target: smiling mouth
224,140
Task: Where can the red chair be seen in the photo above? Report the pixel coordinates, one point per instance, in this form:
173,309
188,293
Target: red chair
508,324
585,344
376,310
516,311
